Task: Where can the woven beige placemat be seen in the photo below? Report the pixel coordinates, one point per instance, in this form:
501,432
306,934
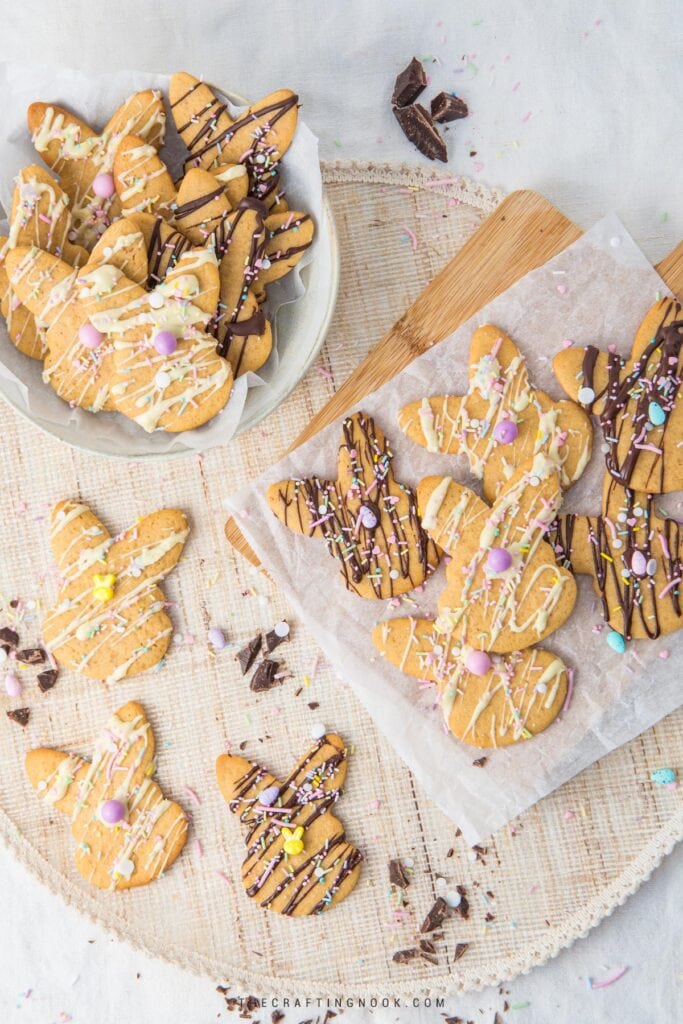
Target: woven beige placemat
537,886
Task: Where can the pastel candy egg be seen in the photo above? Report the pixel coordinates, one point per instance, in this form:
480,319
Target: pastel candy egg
651,567
586,395
12,684
656,414
162,379
638,563
368,517
616,641
216,638
478,663
499,560
112,812
89,336
269,796
663,776
165,342
505,431
103,186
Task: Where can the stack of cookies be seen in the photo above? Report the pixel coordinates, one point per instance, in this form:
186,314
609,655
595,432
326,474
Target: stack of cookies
143,292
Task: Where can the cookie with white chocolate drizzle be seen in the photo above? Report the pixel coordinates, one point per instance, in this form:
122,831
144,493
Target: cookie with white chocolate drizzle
638,401
503,419
109,621
298,859
127,833
368,519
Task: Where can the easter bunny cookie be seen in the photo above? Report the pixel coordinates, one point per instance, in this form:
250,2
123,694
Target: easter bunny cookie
109,621
635,557
500,700
367,518
84,160
127,832
288,236
40,216
638,400
298,859
502,420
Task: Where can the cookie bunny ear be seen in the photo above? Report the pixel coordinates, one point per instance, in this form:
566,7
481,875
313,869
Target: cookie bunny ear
56,133
200,117
24,333
142,180
241,782
448,509
150,548
194,277
122,245
52,774
42,282
288,236
142,114
78,539
235,181
41,216
201,205
164,245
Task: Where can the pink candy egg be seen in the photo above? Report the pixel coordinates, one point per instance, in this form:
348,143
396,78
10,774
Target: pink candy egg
103,186
478,663
89,336
12,684
638,563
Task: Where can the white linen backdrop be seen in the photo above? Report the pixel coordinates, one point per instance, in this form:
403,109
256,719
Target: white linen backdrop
578,100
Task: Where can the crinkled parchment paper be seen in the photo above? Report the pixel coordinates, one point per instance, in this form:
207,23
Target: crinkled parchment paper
596,291
94,98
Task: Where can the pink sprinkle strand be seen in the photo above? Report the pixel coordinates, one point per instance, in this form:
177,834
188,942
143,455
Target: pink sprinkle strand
412,236
609,979
192,795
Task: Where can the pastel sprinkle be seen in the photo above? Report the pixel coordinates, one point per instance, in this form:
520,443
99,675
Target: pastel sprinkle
616,641
609,979
663,776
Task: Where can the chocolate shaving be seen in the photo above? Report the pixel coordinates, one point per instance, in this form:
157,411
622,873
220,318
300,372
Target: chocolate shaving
273,640
463,907
9,636
460,950
20,715
436,916
480,762
448,108
32,656
404,956
276,1016
409,84
418,127
313,704
397,874
47,679
264,676
247,656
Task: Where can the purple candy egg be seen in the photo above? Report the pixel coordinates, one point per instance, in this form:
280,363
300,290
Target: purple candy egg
112,812
165,342
89,336
103,186
12,684
505,431
216,638
368,517
269,796
478,663
499,560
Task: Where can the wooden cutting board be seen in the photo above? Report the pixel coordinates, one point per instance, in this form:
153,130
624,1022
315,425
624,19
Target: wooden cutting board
521,234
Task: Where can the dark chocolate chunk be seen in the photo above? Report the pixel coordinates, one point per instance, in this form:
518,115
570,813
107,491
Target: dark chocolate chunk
397,874
47,679
32,656
247,656
463,907
460,950
448,108
409,84
20,715
418,128
480,762
313,704
404,956
264,676
436,916
276,1016
273,640
9,636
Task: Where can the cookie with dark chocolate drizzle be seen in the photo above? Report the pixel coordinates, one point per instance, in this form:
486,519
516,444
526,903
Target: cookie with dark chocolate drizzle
634,556
638,401
368,519
298,859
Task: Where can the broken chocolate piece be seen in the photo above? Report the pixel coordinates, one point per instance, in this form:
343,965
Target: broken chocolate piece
404,956
20,715
47,679
9,636
446,107
463,907
397,874
409,84
460,950
31,656
273,640
480,762
418,128
247,656
264,676
436,916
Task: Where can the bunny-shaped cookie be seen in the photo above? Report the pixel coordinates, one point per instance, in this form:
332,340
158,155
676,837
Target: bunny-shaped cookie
127,833
638,401
298,859
635,557
368,519
40,216
502,420
84,160
109,621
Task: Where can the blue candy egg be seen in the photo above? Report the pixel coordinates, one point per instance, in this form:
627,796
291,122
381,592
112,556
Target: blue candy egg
616,641
656,414
663,776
